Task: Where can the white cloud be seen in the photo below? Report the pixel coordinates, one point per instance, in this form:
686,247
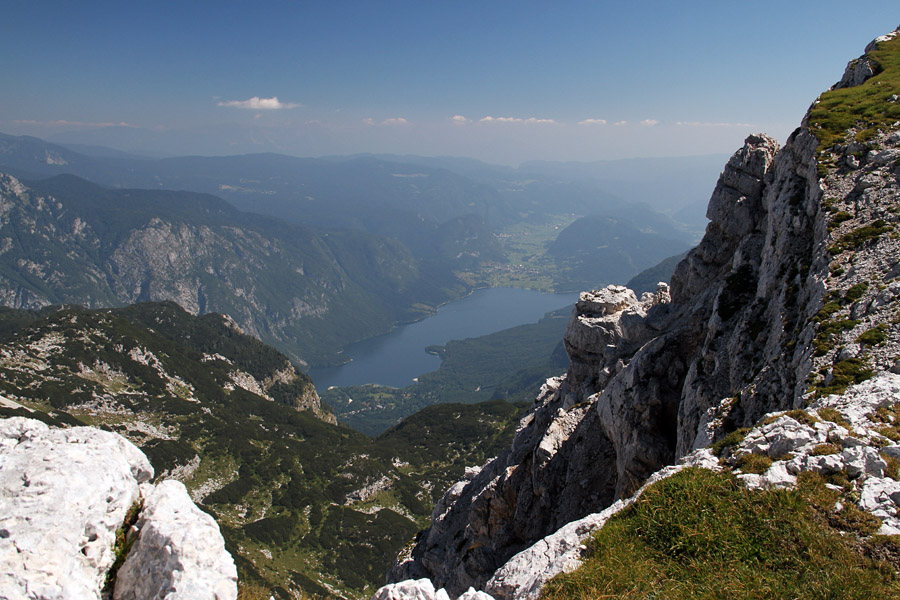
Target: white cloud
395,121
620,123
257,103
649,122
709,124
528,121
592,122
460,120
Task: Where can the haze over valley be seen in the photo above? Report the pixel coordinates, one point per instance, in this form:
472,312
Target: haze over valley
449,294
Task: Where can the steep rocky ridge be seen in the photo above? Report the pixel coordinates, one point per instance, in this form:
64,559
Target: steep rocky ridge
67,241
793,232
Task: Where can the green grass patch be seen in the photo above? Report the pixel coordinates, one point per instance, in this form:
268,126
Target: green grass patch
732,439
856,292
824,450
826,311
826,336
754,463
890,432
893,467
865,106
844,374
874,336
859,236
838,218
829,414
884,414
700,534
799,415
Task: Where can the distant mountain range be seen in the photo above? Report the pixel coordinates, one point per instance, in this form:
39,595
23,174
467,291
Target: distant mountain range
307,254
595,250
65,240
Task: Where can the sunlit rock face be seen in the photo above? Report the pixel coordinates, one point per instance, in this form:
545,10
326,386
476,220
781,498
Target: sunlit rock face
739,334
179,553
64,495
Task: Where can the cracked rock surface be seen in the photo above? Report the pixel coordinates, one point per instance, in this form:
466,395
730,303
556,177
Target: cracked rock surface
63,494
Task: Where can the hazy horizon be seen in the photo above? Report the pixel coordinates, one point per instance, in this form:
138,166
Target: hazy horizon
504,82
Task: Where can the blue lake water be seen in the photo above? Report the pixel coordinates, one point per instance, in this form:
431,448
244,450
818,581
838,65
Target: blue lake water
398,357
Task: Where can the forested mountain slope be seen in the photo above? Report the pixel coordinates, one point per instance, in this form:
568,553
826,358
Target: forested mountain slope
67,241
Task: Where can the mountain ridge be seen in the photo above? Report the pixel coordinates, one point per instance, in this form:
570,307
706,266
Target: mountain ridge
788,297
66,240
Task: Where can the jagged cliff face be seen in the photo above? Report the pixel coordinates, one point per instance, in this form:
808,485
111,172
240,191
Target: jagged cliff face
742,332
650,380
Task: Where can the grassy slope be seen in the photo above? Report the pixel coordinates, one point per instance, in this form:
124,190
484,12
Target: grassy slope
701,534
863,108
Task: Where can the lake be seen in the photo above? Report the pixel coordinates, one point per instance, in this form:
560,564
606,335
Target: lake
397,358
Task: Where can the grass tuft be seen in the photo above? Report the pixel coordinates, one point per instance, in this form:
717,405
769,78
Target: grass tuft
252,591
844,374
830,414
754,463
859,236
732,439
824,450
873,337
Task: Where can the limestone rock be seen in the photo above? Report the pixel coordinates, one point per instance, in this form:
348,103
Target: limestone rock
652,381
644,373
63,494
179,553
421,589
859,70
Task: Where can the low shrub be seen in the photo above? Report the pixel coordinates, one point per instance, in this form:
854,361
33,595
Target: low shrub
873,337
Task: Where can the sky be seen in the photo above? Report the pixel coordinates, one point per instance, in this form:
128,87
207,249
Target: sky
501,81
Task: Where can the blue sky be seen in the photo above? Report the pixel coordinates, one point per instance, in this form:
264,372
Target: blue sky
503,81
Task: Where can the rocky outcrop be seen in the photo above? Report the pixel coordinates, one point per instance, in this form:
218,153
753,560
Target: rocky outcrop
839,434
179,553
422,589
851,436
653,381
647,376
64,495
